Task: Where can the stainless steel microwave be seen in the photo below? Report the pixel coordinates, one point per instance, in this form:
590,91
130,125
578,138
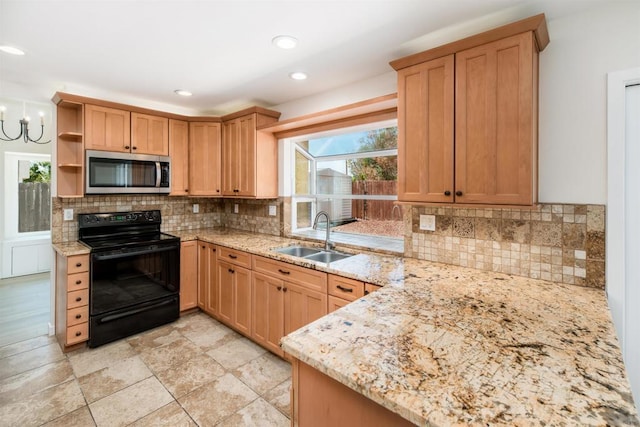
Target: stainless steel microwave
124,173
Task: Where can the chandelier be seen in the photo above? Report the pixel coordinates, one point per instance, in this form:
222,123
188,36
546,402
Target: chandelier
24,129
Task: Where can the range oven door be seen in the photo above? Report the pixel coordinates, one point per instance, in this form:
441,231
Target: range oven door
132,290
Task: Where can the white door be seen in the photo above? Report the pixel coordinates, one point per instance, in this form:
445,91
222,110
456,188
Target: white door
623,216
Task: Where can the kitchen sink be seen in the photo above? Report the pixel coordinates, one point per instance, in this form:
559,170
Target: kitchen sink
312,254
327,257
299,251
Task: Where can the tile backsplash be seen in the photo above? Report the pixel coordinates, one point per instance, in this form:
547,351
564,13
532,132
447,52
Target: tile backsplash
559,242
177,213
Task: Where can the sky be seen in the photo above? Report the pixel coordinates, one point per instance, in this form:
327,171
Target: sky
339,144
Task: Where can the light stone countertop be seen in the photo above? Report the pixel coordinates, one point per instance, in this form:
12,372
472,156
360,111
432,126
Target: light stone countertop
443,345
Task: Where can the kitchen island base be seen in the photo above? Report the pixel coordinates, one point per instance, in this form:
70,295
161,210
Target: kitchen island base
318,401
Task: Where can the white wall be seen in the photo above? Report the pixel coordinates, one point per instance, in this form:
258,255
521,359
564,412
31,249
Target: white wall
584,47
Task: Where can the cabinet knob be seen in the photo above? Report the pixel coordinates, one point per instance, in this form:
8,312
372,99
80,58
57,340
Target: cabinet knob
78,333
126,147
284,289
231,270
78,316
78,264
458,193
134,148
217,190
366,292
447,193
78,299
186,190
214,249
78,282
279,288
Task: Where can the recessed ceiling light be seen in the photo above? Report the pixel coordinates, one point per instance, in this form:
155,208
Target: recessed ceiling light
183,92
285,42
12,50
298,75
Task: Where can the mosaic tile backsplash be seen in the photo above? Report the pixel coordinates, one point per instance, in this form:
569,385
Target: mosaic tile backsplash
558,242
177,213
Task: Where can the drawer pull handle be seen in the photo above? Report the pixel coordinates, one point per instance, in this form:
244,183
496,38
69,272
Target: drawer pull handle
343,289
279,288
78,333
232,256
284,271
78,264
78,316
231,270
78,299
78,282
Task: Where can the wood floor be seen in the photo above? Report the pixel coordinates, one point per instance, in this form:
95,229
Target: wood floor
24,308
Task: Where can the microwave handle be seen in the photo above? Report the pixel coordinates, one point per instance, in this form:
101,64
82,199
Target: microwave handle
158,174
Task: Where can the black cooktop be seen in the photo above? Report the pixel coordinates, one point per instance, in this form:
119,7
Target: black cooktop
125,240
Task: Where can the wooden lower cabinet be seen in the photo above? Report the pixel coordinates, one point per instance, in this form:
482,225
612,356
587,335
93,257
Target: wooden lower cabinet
72,299
207,278
286,297
334,303
188,275
319,401
234,295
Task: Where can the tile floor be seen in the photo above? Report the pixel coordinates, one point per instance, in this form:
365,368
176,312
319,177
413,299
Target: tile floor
193,372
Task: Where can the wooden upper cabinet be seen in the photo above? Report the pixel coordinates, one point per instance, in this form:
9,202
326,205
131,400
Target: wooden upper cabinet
179,153
468,118
107,129
425,131
149,134
204,159
249,157
496,122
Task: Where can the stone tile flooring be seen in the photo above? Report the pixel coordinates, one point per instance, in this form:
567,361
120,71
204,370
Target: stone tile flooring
193,372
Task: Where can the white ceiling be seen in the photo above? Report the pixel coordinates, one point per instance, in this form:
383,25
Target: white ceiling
222,51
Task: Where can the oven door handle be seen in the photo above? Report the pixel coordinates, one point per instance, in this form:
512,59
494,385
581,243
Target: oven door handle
158,174
112,317
107,256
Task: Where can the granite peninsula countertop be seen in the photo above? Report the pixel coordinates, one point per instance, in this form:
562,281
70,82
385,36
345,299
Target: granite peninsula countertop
444,345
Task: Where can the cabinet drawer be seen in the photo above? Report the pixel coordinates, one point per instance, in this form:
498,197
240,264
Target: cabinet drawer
240,258
77,298
77,333
345,288
370,287
77,315
77,281
310,279
77,264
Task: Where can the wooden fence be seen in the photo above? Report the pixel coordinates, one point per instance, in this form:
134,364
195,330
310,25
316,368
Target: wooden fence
375,209
34,206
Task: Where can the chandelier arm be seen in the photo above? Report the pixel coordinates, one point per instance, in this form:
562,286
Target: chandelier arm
7,136
36,141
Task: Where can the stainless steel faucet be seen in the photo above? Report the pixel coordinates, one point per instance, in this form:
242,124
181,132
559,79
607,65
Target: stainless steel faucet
328,244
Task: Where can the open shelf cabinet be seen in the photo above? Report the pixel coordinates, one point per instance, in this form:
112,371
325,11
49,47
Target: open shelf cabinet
70,149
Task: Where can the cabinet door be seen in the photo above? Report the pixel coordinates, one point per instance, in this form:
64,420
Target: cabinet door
107,129
188,275
226,279
203,273
496,123
425,131
239,157
302,306
242,300
179,153
268,312
204,159
211,302
149,134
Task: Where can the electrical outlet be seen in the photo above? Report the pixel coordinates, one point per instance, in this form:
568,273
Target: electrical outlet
196,208
235,208
272,210
428,222
68,214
